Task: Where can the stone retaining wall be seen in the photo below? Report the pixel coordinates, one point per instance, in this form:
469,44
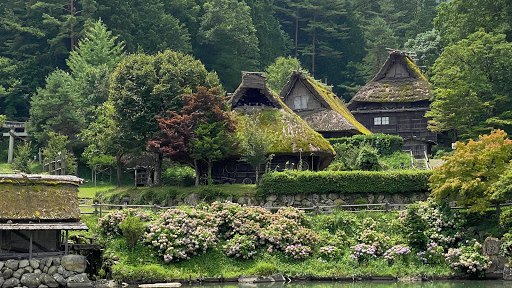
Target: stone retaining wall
52,272
310,200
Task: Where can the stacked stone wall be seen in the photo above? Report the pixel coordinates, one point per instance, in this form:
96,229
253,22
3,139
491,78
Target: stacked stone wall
53,272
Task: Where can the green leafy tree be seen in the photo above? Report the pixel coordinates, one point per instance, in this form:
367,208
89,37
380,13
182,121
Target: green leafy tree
56,146
55,109
144,86
145,26
279,72
2,120
457,19
204,130
91,64
23,157
229,40
427,47
255,143
379,37
471,175
471,86
12,103
105,138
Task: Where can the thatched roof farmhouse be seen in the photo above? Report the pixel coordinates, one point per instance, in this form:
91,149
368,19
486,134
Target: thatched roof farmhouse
395,101
294,140
319,107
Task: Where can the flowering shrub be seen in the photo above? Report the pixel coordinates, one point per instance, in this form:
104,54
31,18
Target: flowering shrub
179,234
433,254
428,221
297,251
362,252
468,259
329,251
396,252
379,241
242,246
109,225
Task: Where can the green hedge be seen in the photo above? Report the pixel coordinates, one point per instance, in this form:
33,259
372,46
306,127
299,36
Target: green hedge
385,144
389,182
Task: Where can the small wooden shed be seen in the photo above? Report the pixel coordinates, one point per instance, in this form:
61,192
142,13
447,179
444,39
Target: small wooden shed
395,101
36,213
322,110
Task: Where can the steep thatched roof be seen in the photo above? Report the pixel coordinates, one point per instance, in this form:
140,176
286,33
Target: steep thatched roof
333,116
39,197
399,80
289,132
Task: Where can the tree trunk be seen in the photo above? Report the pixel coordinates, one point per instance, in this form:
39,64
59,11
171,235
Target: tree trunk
119,172
72,28
296,32
198,174
158,169
498,215
257,174
313,52
210,182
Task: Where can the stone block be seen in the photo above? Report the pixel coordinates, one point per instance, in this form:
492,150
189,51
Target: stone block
11,283
491,246
52,270
79,278
7,273
75,263
42,286
271,197
507,273
23,263
60,279
1,281
49,281
2,264
28,269
30,280
37,271
12,264
18,273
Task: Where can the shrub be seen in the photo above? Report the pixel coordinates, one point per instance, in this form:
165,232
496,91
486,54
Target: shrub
329,251
132,228
109,224
433,254
209,193
396,252
506,219
367,159
385,144
22,157
468,259
178,175
241,246
297,251
362,252
306,182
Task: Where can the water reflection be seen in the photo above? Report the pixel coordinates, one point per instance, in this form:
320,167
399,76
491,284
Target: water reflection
368,284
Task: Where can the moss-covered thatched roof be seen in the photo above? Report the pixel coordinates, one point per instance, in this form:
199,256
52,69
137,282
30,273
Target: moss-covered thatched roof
334,116
399,80
288,131
39,197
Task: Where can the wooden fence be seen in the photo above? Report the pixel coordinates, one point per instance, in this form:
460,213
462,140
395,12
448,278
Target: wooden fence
101,208
55,166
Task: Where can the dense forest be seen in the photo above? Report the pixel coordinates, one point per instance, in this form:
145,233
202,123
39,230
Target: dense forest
61,60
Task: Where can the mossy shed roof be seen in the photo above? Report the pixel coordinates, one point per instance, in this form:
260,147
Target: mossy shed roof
39,197
399,80
289,131
334,116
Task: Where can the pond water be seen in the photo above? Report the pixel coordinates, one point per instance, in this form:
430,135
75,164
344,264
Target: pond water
372,284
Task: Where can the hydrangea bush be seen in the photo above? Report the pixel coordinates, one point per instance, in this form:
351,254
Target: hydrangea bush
362,252
397,252
297,251
329,251
433,254
109,225
468,259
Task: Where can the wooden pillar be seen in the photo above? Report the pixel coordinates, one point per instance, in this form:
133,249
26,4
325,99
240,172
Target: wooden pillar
66,248
11,147
30,247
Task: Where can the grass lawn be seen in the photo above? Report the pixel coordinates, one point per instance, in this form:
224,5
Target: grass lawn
6,168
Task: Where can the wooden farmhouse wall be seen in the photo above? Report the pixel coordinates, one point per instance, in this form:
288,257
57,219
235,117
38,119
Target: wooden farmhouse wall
18,241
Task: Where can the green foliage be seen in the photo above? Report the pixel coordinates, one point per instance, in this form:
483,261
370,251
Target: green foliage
427,47
57,144
228,39
378,36
209,193
469,174
385,144
2,119
55,109
395,161
279,72
367,159
390,182
132,229
470,80
255,144
506,219
23,157
178,175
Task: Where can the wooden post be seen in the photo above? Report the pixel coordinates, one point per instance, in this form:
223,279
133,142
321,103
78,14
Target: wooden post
387,207
30,247
40,158
66,248
95,208
101,210
155,208
63,164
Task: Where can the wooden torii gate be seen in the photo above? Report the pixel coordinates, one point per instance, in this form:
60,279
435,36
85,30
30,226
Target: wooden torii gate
12,126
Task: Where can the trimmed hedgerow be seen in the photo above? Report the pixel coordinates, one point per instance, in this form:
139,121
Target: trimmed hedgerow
306,182
385,144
